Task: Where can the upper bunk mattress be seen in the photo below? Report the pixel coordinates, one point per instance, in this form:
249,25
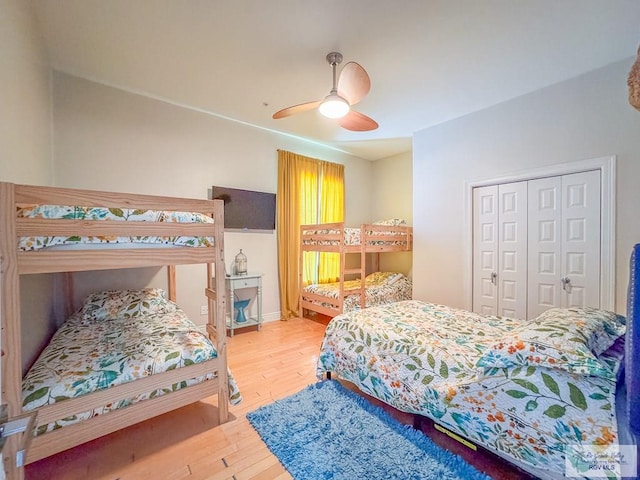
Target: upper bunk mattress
352,237
91,352
117,214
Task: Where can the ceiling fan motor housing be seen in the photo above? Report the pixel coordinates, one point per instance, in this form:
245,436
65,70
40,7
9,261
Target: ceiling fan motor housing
334,58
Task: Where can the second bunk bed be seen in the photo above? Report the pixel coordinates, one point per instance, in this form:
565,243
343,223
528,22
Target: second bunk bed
59,230
354,289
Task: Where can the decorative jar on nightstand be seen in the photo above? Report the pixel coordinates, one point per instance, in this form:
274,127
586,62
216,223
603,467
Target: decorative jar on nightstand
240,264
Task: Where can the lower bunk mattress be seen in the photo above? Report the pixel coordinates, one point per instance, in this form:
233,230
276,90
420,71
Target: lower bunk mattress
524,389
99,347
380,288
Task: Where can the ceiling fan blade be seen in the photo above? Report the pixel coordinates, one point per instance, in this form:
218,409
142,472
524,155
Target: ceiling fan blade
354,83
358,122
302,107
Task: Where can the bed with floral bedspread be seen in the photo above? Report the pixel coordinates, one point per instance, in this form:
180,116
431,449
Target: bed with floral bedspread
380,288
116,337
525,389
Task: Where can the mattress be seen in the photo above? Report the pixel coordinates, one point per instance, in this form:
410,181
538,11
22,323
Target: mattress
423,358
380,288
114,214
87,355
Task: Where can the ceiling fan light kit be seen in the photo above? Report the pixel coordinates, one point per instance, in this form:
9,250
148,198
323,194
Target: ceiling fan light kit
349,88
334,106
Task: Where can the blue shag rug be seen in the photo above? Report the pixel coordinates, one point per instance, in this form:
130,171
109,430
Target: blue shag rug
329,432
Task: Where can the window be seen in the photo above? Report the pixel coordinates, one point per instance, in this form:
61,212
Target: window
309,191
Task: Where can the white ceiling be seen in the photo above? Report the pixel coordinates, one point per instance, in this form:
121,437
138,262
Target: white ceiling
429,60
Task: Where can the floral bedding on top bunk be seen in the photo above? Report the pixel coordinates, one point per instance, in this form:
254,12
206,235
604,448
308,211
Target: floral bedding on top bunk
380,288
352,235
523,388
117,337
118,214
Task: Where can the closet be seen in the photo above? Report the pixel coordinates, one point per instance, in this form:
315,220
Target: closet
536,245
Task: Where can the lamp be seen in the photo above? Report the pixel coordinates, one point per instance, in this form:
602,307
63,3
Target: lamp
334,106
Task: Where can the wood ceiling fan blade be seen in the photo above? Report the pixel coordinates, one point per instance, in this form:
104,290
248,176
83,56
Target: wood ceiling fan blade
302,107
357,122
354,83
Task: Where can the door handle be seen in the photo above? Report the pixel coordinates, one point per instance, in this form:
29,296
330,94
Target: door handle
566,284
494,278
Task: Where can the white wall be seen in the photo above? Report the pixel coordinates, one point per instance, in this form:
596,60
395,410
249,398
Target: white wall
582,118
392,197
108,139
25,114
25,137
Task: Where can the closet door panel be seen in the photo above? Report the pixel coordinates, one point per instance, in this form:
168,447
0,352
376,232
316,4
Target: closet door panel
512,248
485,249
537,245
544,244
581,239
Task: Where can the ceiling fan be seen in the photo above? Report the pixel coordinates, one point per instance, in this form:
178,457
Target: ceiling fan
352,85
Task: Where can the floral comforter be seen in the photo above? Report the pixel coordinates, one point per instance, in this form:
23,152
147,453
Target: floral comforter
84,356
423,358
380,288
94,213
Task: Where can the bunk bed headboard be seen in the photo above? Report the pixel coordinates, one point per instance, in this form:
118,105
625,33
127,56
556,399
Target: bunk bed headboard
632,342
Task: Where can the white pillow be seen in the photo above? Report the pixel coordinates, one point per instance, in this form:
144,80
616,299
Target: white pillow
394,278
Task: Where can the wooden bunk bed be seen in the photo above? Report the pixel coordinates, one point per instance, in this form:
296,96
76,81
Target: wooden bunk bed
336,238
16,261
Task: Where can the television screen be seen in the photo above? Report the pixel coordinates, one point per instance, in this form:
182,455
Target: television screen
247,209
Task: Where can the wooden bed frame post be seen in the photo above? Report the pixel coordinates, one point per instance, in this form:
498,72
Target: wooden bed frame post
300,274
219,321
10,336
67,288
171,282
363,266
343,264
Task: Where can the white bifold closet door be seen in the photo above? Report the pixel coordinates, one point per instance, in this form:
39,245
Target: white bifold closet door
500,250
564,242
485,250
536,245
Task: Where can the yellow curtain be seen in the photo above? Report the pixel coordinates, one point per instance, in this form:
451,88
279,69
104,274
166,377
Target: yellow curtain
297,180
309,191
331,210
308,200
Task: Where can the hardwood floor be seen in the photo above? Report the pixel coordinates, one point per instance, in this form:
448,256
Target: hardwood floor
188,444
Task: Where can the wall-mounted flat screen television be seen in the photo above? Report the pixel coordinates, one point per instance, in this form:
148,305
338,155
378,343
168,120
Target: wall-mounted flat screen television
247,209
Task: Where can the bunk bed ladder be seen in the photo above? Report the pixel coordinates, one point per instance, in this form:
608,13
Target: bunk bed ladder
359,271
363,266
